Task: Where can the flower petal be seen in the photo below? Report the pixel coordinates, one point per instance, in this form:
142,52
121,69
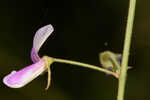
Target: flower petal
34,56
40,37
24,76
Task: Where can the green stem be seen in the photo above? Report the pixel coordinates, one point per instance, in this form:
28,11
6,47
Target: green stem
85,65
127,42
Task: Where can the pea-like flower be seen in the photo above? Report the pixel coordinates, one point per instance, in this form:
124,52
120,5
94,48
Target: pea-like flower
18,79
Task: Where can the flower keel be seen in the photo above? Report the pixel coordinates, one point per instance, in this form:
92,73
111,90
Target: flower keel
24,76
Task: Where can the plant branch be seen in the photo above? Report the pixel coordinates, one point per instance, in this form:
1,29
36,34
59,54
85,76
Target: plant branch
85,66
127,43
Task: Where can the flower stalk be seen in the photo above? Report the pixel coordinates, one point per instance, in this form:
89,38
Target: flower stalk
85,66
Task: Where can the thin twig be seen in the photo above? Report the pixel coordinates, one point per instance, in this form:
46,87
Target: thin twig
85,65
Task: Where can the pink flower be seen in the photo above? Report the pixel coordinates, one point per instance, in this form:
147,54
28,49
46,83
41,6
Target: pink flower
17,79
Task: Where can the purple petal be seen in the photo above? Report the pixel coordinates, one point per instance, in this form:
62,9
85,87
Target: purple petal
17,79
40,37
119,59
34,56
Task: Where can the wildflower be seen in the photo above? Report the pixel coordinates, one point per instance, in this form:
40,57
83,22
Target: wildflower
18,79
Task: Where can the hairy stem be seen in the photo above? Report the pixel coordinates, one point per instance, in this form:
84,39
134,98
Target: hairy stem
127,42
85,65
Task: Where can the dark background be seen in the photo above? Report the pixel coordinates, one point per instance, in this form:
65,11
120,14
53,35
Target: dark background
82,28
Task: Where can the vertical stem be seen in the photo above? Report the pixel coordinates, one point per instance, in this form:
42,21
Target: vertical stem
127,42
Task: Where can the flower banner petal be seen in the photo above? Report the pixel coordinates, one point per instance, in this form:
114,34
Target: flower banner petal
40,37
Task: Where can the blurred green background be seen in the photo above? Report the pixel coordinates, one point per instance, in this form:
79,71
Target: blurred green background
82,28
